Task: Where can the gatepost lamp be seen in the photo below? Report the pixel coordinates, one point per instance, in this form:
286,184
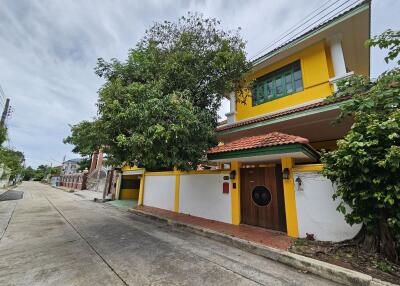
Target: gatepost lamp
285,173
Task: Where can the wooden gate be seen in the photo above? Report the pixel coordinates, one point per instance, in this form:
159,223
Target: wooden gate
262,202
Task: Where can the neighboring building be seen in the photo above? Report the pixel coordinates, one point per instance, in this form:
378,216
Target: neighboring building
70,175
55,180
71,166
269,152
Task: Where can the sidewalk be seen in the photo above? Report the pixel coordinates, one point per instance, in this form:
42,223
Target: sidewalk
263,236
84,194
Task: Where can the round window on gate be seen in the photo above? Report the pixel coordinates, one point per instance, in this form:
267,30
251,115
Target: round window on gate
261,196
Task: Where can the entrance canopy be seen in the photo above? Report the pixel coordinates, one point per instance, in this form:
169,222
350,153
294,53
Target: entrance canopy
270,147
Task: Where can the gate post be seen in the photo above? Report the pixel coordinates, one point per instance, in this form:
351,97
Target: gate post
290,198
235,198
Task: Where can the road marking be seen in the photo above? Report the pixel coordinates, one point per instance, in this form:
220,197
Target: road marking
8,222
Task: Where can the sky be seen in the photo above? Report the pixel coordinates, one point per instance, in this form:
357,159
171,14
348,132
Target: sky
49,48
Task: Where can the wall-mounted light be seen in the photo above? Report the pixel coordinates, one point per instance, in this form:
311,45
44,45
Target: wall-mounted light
299,182
232,174
285,173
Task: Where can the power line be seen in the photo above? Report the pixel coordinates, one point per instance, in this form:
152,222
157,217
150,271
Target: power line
299,33
292,28
320,19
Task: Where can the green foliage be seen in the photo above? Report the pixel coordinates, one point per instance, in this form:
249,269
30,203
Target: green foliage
39,173
3,135
169,131
86,137
158,109
384,266
366,164
28,173
12,160
387,40
9,158
85,164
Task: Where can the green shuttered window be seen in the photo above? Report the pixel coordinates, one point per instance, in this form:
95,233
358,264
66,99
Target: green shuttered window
279,83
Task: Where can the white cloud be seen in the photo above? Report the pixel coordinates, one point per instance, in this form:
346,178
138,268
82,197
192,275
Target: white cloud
48,50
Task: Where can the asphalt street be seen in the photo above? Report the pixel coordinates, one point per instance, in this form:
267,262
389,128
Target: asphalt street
50,237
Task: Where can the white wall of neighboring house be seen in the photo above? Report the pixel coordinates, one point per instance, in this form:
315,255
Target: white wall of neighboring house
159,192
316,210
201,195
4,177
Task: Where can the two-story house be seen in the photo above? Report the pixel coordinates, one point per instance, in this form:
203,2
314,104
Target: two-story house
285,120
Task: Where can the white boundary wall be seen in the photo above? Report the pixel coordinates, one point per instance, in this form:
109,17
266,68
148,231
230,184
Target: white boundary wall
159,192
316,210
201,195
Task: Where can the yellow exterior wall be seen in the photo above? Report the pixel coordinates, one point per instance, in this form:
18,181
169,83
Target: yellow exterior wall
308,168
315,72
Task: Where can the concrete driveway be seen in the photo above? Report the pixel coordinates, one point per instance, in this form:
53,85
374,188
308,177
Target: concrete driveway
55,238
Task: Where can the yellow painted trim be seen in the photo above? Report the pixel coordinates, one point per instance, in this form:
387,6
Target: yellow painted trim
308,168
141,190
129,168
235,194
206,172
200,172
166,173
177,187
290,199
118,186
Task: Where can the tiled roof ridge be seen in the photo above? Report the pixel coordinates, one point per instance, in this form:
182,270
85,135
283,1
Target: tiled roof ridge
259,141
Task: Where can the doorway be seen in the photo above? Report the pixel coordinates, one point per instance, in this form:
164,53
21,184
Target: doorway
261,194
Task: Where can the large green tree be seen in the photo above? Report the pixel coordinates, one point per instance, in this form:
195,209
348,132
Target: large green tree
366,164
3,134
13,160
9,158
86,137
158,109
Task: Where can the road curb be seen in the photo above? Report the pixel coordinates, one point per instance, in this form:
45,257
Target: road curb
323,269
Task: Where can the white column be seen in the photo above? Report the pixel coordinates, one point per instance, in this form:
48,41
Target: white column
231,115
232,101
339,65
338,62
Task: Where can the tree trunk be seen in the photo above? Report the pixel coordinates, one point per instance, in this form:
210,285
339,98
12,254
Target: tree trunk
367,241
387,243
382,241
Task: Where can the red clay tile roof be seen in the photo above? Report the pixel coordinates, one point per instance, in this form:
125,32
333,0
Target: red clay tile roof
279,114
266,140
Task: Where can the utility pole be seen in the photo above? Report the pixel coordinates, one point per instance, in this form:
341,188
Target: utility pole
5,112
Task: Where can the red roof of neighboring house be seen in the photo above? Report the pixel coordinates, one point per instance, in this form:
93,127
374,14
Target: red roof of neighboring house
279,114
266,140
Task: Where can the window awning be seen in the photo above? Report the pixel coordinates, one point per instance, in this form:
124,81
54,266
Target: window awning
268,147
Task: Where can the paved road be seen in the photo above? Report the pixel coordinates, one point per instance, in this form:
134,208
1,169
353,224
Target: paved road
55,238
